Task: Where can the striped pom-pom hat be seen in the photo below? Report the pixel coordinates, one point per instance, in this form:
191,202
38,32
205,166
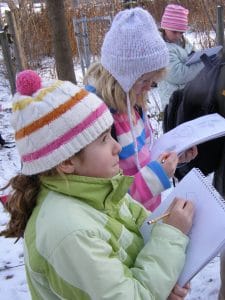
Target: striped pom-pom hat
54,120
175,18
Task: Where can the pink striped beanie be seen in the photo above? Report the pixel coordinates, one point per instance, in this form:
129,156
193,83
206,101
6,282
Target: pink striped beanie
54,120
175,18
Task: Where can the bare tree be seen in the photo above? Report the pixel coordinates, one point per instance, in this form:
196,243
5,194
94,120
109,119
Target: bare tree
12,5
62,48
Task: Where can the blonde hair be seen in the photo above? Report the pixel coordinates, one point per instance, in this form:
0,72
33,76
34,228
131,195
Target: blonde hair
108,88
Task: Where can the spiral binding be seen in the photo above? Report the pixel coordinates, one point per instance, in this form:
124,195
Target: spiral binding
219,199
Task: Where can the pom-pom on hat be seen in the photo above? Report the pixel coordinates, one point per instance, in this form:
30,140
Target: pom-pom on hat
132,47
54,120
28,82
175,18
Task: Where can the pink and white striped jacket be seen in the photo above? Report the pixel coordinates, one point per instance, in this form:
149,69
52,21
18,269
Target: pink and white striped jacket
150,179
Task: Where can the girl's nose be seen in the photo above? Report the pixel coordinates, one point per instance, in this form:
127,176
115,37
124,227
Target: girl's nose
117,147
178,34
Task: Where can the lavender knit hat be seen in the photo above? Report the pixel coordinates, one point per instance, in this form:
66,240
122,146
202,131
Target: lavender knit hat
132,47
175,18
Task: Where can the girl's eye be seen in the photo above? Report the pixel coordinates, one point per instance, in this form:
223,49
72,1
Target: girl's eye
105,137
147,81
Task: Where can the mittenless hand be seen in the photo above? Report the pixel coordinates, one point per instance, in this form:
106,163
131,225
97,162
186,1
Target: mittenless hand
188,155
169,161
179,293
181,214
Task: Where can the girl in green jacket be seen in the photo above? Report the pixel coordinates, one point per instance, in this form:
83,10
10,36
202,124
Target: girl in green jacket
70,204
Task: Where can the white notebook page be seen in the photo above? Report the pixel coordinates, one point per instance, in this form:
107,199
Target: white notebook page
207,235
188,134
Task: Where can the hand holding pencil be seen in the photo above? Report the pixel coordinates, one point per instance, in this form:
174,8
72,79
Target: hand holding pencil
169,161
179,215
163,216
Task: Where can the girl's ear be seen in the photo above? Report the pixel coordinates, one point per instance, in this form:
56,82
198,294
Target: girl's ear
66,167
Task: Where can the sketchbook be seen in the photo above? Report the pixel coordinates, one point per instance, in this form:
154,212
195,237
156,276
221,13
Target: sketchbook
196,56
188,134
207,234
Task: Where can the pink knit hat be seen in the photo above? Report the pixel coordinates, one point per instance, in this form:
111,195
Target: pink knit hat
175,18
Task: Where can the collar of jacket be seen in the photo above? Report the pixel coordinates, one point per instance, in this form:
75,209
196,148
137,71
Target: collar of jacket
101,193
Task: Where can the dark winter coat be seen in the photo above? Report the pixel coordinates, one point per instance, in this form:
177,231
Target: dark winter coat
203,95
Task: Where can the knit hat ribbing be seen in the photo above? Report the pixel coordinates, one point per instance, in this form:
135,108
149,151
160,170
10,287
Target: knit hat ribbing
55,122
175,18
133,47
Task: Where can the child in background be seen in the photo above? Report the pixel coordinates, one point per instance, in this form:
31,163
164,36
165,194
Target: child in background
70,204
133,58
174,24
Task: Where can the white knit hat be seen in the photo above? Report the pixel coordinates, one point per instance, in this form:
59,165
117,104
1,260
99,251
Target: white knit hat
53,121
132,47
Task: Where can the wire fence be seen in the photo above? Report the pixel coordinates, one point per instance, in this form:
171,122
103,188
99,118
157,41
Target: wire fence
88,22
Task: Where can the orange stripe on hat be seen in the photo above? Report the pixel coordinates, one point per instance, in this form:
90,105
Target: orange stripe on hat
56,113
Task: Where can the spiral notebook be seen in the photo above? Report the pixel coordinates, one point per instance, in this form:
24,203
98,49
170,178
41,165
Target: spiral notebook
190,133
207,236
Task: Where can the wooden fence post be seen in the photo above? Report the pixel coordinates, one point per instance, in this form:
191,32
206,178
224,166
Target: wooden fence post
8,61
21,62
219,26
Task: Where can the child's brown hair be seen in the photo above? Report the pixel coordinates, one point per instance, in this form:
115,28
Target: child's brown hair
21,201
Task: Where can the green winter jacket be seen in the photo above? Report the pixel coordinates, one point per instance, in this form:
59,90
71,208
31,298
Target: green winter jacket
178,73
82,242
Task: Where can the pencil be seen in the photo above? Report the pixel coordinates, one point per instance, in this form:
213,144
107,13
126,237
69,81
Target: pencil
158,218
164,159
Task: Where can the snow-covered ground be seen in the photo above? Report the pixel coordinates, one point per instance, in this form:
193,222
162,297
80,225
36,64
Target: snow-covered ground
12,275
13,284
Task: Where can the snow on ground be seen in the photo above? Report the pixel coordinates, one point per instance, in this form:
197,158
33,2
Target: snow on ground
12,274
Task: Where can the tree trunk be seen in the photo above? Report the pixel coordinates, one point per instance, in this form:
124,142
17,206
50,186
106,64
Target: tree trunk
62,48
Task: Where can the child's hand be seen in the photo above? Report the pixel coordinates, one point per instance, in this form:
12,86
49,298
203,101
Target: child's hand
169,161
179,293
181,214
188,155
